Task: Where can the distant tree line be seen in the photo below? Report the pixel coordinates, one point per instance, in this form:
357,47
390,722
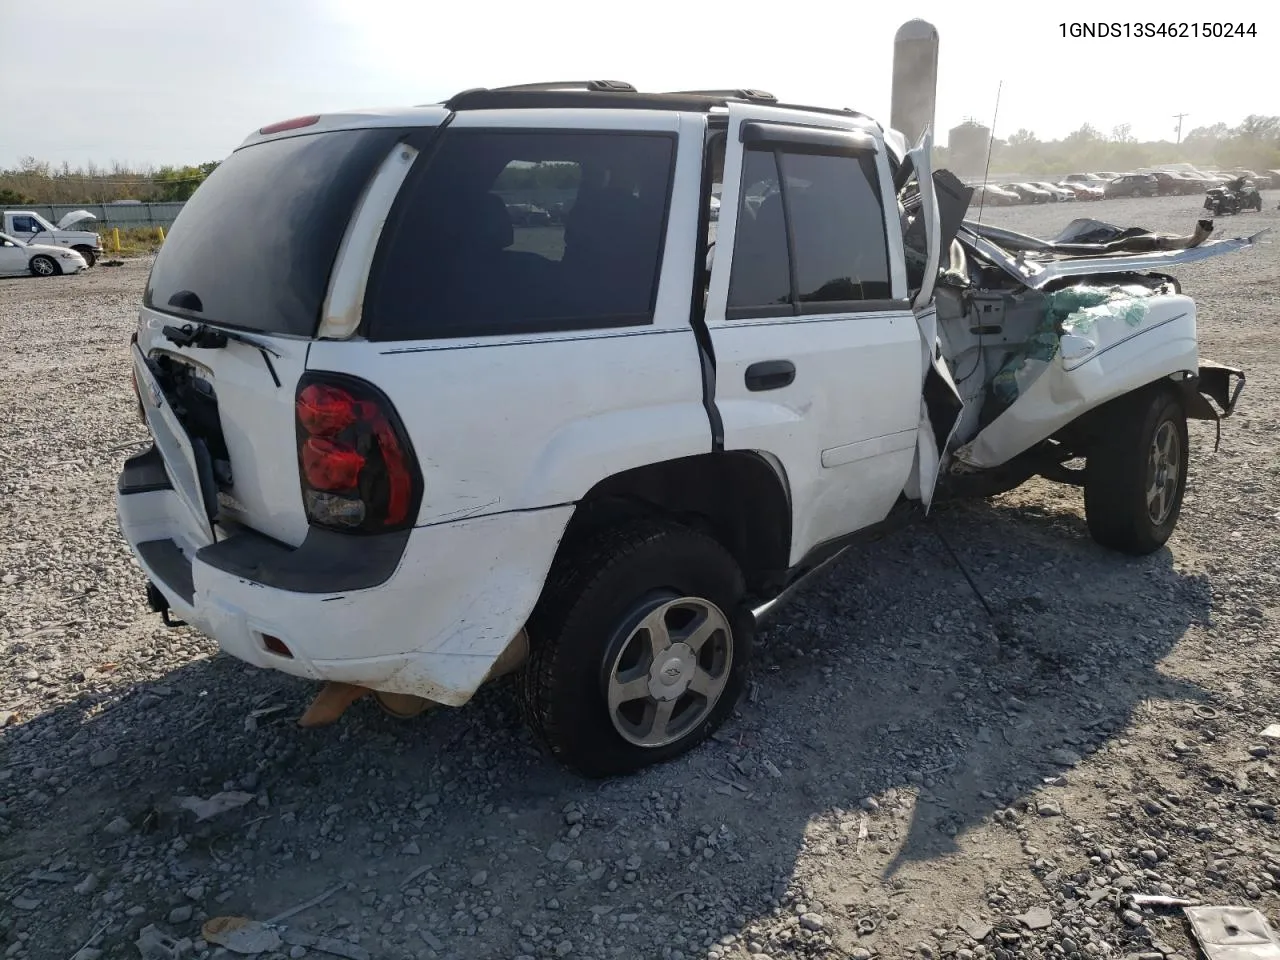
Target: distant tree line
37,181
1253,145
539,176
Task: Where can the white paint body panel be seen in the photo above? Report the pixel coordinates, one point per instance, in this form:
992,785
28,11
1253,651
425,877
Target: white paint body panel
460,594
257,423
1081,378
856,393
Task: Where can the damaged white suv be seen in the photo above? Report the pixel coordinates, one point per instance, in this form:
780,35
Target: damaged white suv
427,442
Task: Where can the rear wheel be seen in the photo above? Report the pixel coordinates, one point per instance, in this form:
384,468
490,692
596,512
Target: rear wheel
87,252
42,266
640,648
1137,192
1136,474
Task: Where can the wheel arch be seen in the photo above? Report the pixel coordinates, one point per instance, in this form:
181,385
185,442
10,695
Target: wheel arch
739,497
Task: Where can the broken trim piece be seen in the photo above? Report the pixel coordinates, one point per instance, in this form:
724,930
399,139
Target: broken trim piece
1211,380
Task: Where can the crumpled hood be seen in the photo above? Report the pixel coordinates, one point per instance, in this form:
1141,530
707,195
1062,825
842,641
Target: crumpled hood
75,216
1091,247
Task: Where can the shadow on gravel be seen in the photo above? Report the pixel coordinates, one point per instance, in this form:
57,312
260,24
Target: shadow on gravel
883,680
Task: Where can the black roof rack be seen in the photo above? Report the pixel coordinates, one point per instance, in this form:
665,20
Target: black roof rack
616,93
742,93
599,86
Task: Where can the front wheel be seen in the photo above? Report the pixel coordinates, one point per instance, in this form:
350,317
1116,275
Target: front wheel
640,645
1136,473
90,258
42,266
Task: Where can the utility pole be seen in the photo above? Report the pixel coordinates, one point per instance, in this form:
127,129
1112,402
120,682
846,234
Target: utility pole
1178,117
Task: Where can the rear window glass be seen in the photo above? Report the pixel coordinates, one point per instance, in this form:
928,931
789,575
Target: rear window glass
519,232
254,246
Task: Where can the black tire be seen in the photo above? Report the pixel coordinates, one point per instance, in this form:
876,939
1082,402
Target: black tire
87,252
42,266
1120,471
594,600
1137,192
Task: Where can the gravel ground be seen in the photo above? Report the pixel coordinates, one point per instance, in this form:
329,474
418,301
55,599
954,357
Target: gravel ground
898,782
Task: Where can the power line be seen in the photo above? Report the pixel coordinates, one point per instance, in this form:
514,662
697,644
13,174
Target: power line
1178,117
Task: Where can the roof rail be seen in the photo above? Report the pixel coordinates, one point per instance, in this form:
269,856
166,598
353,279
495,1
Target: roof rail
601,86
742,93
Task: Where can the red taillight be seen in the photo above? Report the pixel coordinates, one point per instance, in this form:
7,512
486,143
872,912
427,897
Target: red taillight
325,411
293,124
330,466
357,468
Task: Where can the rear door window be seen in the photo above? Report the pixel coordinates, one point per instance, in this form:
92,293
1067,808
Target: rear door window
510,232
254,246
811,235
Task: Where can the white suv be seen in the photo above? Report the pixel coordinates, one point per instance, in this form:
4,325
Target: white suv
405,445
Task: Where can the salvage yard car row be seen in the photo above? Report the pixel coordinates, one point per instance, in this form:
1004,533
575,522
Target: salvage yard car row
1106,184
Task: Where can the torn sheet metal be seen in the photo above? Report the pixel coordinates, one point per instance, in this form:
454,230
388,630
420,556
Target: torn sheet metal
1077,320
1233,933
1085,236
1102,355
1034,263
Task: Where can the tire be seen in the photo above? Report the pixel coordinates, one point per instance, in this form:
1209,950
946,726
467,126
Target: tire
591,629
1143,449
87,252
1137,192
42,266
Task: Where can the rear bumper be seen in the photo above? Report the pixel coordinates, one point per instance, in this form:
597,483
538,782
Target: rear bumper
426,614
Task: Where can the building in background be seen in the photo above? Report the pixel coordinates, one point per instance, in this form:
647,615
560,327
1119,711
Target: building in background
967,146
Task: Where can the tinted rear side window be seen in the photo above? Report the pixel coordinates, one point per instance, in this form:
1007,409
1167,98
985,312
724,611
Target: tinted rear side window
811,235
518,232
254,246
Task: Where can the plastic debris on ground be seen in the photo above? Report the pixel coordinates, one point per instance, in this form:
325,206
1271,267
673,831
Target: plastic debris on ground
241,935
1233,933
218,803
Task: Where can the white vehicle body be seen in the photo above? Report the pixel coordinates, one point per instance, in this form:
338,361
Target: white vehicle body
31,227
790,424
19,258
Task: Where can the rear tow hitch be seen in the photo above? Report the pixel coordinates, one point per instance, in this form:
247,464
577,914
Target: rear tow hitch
160,604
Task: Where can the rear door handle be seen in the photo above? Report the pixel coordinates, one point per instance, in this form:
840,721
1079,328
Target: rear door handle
770,375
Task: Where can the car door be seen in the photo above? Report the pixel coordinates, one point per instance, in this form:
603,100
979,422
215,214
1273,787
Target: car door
13,258
817,352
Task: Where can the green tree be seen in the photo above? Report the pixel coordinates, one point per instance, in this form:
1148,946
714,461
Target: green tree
9,197
179,183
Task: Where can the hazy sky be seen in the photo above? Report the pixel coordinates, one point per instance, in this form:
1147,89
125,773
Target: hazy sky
183,81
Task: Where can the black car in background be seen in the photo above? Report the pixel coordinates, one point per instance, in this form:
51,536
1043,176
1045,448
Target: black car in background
1134,185
1169,184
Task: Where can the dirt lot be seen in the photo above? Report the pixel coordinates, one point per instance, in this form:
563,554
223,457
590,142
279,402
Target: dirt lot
899,782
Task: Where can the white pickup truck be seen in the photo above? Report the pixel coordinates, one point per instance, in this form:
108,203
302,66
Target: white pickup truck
420,445
29,226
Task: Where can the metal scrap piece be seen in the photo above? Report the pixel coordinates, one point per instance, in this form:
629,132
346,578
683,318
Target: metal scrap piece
1233,933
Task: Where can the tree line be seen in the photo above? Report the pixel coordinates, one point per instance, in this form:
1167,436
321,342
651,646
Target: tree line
1253,145
38,181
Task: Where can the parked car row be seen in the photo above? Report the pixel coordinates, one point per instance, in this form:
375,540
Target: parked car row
1106,184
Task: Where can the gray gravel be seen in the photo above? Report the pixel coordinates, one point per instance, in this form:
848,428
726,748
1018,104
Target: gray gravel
885,790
